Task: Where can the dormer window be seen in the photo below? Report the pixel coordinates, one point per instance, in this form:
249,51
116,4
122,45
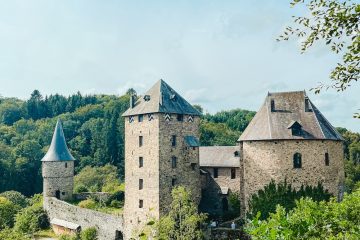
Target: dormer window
296,128
147,98
173,97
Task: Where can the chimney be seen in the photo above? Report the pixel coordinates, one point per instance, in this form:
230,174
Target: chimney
132,101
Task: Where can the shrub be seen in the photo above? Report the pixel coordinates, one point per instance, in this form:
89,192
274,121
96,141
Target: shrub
88,203
8,211
31,219
9,234
311,220
15,197
266,200
80,189
89,234
116,204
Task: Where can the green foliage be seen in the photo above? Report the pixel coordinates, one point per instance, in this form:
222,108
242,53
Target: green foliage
98,179
15,197
89,234
8,211
88,203
311,220
31,219
234,204
80,188
336,23
183,220
10,234
266,200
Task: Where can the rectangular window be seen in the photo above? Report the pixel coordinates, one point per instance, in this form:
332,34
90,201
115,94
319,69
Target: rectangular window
173,162
141,141
272,105
180,117
141,203
173,182
216,172
173,140
140,118
193,166
233,173
141,162
141,184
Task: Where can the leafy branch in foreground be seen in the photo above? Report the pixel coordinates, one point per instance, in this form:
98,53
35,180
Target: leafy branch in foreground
337,23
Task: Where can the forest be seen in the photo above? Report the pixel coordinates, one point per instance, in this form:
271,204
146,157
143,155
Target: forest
94,131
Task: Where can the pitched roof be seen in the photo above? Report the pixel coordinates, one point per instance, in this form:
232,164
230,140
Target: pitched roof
58,150
219,156
283,109
161,98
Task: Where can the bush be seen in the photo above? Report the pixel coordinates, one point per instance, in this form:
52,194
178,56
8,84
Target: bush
266,200
9,234
88,203
311,220
8,211
89,234
31,219
116,204
80,189
15,197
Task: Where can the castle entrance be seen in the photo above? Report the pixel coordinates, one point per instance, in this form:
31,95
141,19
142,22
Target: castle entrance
57,194
118,235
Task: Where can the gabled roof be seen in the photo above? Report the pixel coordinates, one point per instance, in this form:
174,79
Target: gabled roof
58,150
161,98
289,109
219,156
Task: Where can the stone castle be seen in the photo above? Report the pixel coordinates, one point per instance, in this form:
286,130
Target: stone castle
287,139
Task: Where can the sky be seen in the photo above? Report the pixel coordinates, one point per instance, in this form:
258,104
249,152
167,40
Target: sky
221,54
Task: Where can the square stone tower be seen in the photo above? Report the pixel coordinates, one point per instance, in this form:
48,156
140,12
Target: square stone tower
161,151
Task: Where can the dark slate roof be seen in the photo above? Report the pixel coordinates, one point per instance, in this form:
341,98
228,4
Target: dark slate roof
289,109
191,141
58,150
219,156
161,98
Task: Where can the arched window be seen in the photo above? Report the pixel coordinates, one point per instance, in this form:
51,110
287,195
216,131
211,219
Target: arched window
297,160
327,159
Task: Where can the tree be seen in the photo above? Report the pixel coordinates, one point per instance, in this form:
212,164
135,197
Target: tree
7,213
311,220
10,234
337,24
183,221
16,198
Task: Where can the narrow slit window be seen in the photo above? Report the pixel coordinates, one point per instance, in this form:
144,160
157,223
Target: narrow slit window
173,162
173,140
216,172
297,160
141,203
233,173
140,118
173,182
141,184
141,141
327,159
141,162
65,165
272,103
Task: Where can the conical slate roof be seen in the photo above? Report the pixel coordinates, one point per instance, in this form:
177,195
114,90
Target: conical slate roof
161,98
283,109
58,150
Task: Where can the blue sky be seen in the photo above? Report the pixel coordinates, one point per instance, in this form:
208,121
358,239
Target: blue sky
220,54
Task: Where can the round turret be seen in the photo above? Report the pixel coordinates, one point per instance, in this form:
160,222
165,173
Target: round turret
58,167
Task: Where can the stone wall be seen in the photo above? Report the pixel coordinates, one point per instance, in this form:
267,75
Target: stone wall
266,160
224,177
134,216
184,174
106,224
58,176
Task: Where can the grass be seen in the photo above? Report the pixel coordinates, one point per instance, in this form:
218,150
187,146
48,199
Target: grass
47,233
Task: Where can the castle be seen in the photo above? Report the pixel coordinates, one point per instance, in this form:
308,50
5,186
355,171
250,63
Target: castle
287,139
